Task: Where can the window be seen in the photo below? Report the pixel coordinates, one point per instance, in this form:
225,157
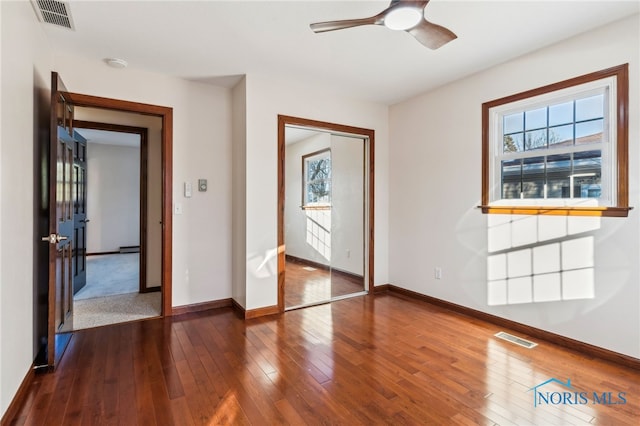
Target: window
316,178
559,149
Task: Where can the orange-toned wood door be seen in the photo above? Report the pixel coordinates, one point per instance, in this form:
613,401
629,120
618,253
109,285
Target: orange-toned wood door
61,221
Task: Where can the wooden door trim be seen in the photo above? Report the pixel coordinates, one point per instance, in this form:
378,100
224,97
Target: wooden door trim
284,120
166,114
143,132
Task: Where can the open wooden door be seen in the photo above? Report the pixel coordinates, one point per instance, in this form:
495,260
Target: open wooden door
61,222
67,194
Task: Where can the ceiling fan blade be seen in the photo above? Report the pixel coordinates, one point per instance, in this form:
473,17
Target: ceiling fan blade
321,27
431,35
413,3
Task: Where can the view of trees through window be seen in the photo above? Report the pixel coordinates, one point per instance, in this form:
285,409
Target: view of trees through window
317,176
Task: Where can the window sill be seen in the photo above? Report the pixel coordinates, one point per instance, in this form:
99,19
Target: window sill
558,210
326,207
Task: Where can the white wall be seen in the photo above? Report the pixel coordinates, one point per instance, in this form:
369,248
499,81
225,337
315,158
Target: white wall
347,200
26,64
239,202
266,98
201,149
113,197
435,170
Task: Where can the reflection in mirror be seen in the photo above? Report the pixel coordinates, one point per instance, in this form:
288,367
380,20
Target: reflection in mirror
324,216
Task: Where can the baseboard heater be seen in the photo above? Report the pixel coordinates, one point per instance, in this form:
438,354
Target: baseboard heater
130,249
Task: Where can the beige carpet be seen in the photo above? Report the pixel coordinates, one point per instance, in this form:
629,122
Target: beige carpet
106,310
111,274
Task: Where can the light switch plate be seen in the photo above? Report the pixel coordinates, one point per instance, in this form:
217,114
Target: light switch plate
187,189
202,185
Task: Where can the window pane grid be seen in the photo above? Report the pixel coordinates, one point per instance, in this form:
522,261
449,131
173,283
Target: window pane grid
554,150
568,123
573,175
317,179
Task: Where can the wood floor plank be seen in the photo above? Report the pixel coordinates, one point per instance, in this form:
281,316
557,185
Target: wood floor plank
239,370
361,361
181,412
80,387
315,284
200,400
289,413
125,376
143,396
302,391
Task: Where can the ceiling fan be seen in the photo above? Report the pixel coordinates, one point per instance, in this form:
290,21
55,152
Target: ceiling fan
401,15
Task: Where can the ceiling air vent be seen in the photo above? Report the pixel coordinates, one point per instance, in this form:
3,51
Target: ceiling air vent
54,12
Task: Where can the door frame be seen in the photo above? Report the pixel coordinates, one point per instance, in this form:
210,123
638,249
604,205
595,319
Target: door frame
143,133
166,113
285,120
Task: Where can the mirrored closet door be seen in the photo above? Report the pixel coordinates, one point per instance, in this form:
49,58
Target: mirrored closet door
324,216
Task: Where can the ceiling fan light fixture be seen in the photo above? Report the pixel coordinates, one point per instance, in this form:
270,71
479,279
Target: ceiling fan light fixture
403,18
401,15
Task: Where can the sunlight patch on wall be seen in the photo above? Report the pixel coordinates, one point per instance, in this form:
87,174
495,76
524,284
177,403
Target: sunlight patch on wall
535,259
319,231
263,265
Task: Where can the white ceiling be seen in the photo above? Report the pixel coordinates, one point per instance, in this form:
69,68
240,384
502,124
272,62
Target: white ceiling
106,137
297,134
293,134
213,41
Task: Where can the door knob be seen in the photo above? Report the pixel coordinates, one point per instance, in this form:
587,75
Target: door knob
54,238
85,220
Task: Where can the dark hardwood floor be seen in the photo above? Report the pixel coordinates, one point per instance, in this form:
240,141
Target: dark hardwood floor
305,284
365,360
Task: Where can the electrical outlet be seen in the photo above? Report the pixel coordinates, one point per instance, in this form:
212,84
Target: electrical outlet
437,273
